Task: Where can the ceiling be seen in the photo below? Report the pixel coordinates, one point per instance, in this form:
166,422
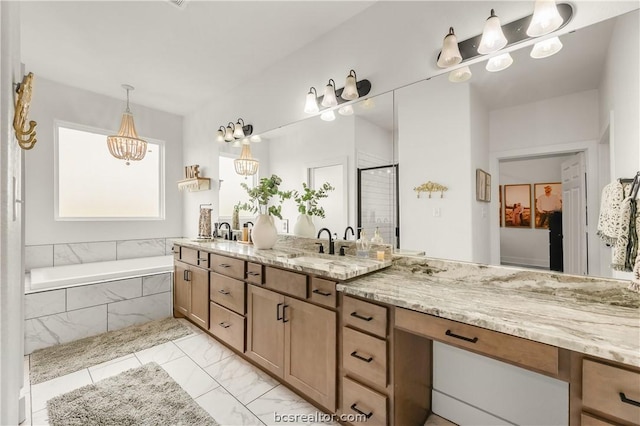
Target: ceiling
176,58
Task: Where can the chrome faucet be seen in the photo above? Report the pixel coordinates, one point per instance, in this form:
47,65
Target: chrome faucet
332,249
353,232
227,237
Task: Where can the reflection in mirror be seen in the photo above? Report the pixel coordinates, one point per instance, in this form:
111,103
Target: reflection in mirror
545,120
315,151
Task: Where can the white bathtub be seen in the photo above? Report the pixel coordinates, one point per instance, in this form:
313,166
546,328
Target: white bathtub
89,273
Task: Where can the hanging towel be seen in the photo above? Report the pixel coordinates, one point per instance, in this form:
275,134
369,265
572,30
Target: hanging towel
619,256
609,218
635,280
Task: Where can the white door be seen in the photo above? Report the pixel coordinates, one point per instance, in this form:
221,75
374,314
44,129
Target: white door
574,215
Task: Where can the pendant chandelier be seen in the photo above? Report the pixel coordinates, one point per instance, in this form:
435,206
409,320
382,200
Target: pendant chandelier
246,165
126,145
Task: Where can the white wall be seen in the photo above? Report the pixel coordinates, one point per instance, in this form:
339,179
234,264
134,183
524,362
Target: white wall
620,79
374,145
528,246
434,145
479,116
55,101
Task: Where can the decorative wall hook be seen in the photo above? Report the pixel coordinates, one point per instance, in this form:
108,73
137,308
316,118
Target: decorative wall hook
26,136
431,187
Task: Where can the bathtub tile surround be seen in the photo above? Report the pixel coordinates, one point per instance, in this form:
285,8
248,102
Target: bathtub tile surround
70,254
103,293
38,257
50,330
68,314
48,255
45,303
131,249
138,310
153,284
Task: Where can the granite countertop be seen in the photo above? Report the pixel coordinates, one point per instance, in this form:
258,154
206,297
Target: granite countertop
598,317
283,255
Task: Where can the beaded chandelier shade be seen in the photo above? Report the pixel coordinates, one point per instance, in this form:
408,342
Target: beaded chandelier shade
246,165
126,145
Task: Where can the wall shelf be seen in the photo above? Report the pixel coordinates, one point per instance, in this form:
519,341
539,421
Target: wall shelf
195,184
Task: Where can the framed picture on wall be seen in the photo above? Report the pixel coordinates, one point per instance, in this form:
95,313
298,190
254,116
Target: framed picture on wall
548,199
517,206
483,186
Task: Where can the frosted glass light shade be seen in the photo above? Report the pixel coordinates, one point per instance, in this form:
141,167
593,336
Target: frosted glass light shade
236,143
330,99
546,18
220,134
350,91
493,38
228,134
255,138
346,110
450,54
311,105
328,115
546,48
238,133
499,63
460,75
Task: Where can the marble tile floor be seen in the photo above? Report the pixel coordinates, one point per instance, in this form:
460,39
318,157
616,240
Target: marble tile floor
230,389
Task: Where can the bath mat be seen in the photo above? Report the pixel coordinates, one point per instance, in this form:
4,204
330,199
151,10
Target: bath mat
145,395
55,361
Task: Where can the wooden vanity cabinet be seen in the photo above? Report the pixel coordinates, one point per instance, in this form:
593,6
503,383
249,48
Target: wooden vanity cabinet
294,340
191,294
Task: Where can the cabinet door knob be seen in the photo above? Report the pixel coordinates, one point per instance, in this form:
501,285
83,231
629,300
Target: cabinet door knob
457,336
626,400
355,408
321,293
355,314
355,355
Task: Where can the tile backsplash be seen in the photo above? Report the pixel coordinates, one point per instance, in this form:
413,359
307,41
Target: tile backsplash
47,255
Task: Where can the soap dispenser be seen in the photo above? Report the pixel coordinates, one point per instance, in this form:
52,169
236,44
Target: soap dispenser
362,245
377,238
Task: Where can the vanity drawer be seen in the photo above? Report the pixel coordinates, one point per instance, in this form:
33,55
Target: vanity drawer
528,353
604,387
358,399
228,266
365,356
323,292
227,325
365,316
286,282
194,257
254,273
227,292
587,420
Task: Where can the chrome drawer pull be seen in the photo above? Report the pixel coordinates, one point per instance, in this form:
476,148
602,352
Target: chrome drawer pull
253,274
457,336
224,265
278,317
202,259
224,325
626,400
355,314
354,408
355,355
284,313
321,293
225,292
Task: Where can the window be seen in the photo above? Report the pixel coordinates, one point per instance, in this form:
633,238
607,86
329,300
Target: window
230,190
91,184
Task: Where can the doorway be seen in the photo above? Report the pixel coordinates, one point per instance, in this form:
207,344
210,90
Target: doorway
378,205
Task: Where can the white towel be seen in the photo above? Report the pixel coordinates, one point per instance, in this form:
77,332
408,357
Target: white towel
609,218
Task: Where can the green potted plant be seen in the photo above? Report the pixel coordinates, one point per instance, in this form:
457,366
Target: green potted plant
307,202
264,232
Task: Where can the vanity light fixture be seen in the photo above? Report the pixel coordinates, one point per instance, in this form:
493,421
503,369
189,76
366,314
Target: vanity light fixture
330,99
350,91
493,38
546,48
255,139
126,145
236,143
333,97
450,54
499,63
346,110
544,15
311,105
546,18
246,165
459,75
233,131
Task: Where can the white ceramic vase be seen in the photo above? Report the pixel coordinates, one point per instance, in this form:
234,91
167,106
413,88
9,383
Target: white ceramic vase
304,226
264,233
